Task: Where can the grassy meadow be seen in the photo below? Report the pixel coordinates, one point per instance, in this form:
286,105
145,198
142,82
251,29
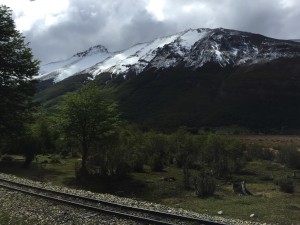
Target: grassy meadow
268,203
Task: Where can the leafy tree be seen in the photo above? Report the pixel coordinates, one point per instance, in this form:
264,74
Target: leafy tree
133,143
38,137
109,157
88,117
224,155
17,68
186,152
43,131
156,147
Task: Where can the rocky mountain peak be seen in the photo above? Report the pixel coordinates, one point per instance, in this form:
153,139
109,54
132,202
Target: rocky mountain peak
92,50
190,49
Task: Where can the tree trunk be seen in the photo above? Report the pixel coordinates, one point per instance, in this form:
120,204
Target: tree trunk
186,177
28,159
240,188
84,157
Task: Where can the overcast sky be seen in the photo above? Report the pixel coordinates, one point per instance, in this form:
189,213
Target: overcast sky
57,29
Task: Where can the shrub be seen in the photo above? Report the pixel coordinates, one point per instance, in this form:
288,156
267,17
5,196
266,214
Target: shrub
156,162
286,184
267,177
55,159
204,184
132,143
64,153
156,146
7,158
224,155
256,151
75,153
289,155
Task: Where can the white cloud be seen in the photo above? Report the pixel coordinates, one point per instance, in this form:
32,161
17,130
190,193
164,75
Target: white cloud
60,28
156,8
287,3
27,13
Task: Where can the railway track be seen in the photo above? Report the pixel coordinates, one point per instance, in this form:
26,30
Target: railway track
142,215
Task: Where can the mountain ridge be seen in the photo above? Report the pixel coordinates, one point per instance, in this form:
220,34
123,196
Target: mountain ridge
191,48
197,78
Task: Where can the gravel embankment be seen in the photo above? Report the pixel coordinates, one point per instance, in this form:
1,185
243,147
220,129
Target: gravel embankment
19,205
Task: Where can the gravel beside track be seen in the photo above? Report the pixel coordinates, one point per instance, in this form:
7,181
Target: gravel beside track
20,205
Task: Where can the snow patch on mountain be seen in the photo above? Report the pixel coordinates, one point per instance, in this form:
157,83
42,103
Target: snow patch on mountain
192,48
63,69
140,56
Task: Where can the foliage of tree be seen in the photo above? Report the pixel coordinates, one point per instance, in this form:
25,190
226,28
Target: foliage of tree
223,155
38,137
121,152
286,184
107,157
133,143
89,118
43,130
17,69
258,152
289,155
186,150
157,150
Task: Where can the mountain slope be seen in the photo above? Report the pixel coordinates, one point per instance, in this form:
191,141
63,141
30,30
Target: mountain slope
256,96
196,78
61,70
190,49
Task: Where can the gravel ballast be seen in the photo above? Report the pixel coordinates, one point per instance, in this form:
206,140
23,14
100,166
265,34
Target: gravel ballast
19,205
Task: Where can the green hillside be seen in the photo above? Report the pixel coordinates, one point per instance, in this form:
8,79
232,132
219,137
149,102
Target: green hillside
265,95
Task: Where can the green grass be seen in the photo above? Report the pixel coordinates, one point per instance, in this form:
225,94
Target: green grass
56,173
267,203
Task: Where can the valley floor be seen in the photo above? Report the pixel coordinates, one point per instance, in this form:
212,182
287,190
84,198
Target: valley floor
268,203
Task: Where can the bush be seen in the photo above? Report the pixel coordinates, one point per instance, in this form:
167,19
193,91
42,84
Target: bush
286,184
204,184
7,158
55,159
289,155
156,146
132,143
156,163
224,155
256,151
75,153
64,153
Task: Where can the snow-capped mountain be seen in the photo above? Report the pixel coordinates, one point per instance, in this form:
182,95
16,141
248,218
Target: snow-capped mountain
193,49
63,69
